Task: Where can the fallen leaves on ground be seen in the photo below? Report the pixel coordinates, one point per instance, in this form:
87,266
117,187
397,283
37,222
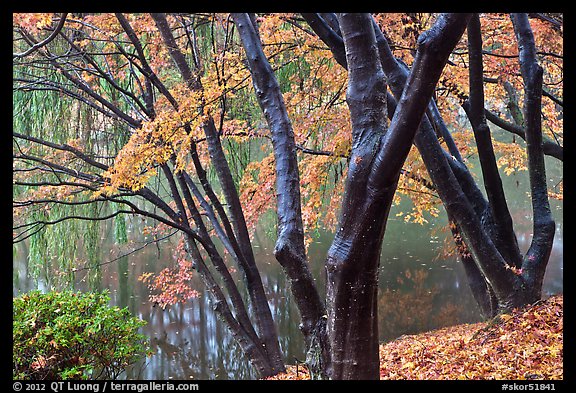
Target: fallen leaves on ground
292,373
524,344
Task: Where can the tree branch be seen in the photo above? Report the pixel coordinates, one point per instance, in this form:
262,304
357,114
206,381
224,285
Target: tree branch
549,147
254,282
44,42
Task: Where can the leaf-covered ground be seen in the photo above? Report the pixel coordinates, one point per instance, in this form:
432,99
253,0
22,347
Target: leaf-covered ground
525,344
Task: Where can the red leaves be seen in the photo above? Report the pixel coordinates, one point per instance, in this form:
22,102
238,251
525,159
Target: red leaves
172,285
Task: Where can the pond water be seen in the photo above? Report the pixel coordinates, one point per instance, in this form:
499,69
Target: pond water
420,289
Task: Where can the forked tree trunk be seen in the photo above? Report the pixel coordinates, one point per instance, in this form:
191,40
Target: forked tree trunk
289,249
537,256
499,276
376,160
354,256
237,232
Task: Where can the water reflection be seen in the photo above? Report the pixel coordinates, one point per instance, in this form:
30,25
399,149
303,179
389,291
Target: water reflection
418,291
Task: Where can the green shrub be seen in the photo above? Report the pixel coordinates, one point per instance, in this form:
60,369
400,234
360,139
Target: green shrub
73,335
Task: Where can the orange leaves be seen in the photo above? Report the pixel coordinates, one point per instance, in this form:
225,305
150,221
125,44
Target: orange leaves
314,172
227,74
522,345
278,34
106,25
33,22
396,27
42,362
257,189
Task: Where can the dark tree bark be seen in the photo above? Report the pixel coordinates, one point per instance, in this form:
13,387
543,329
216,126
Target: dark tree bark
239,239
504,236
441,167
244,252
342,335
375,164
549,147
353,258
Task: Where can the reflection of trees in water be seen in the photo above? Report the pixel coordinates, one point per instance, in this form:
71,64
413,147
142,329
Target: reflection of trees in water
416,304
189,342
285,314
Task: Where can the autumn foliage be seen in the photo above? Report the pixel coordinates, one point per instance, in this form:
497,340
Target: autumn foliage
524,344
313,88
204,123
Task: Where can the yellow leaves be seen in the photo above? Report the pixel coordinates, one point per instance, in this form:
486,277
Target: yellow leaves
156,142
505,317
558,192
414,184
512,157
228,72
408,365
293,373
343,147
88,77
515,270
145,277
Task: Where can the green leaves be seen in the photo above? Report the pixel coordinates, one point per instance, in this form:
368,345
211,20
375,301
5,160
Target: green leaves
63,335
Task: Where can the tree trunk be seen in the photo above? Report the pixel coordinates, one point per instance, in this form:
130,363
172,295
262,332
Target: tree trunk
354,256
536,259
503,231
289,249
375,164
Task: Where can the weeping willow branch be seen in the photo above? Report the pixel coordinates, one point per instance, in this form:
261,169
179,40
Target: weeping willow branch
146,244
